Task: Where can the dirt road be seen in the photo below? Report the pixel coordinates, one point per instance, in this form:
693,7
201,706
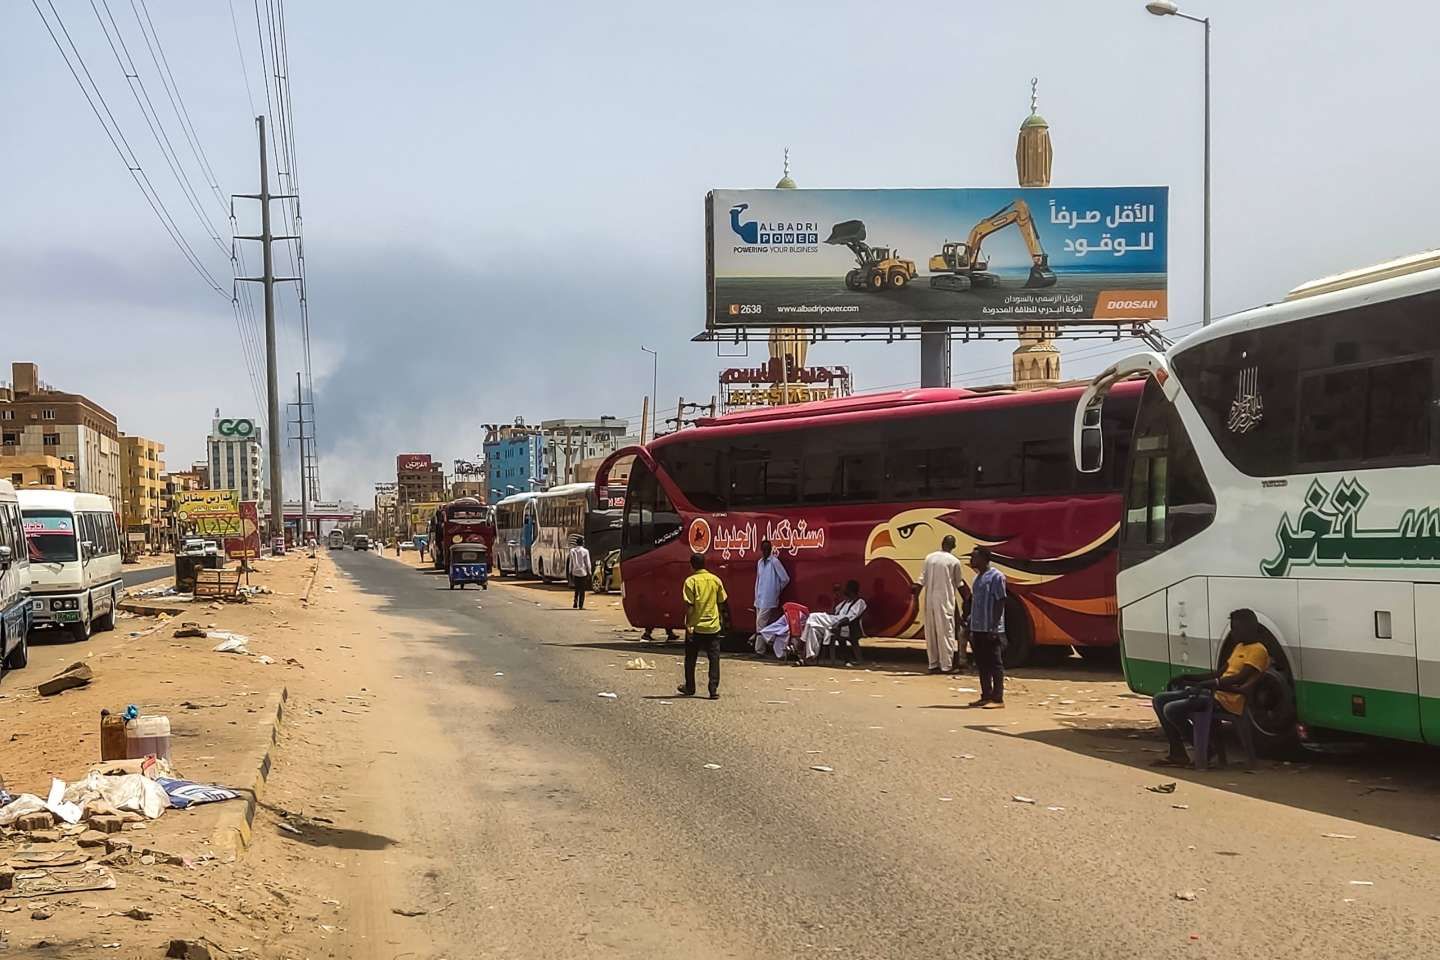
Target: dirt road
455,761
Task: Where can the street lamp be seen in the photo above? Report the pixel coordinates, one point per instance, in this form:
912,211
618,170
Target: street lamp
654,387
1166,8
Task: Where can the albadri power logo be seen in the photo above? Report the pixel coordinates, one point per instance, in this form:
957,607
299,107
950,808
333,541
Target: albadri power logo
781,236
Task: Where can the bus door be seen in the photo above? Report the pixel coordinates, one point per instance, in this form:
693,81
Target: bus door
1427,650
527,535
1188,620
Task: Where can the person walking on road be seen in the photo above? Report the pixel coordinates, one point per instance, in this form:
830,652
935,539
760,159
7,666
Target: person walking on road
941,578
770,581
579,567
703,594
987,629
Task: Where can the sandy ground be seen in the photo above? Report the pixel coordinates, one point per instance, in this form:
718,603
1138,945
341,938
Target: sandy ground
462,791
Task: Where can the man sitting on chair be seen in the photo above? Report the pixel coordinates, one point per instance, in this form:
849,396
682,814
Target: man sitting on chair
843,623
1248,659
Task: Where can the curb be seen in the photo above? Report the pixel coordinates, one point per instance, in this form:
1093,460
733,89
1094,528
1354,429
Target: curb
234,832
311,585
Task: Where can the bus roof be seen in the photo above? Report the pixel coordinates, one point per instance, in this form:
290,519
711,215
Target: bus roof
566,489
873,406
64,500
1392,280
516,497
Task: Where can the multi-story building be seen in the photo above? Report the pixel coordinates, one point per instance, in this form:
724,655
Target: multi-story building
39,422
568,442
201,470
468,488
419,478
42,471
236,457
514,459
142,491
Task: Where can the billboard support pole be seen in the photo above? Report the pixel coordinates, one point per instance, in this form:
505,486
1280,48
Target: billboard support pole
935,355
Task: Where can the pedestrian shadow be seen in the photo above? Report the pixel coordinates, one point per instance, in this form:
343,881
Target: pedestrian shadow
1388,785
314,833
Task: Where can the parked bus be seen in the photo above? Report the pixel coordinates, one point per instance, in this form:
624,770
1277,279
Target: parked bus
560,514
466,520
15,614
74,546
1287,460
864,488
515,530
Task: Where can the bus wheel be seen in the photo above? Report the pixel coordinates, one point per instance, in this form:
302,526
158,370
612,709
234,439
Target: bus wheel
1273,720
20,656
107,622
1019,638
81,630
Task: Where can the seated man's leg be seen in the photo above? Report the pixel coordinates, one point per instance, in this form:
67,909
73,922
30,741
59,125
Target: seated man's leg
1173,707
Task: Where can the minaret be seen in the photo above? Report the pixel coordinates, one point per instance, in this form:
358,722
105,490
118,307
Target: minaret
787,341
1036,362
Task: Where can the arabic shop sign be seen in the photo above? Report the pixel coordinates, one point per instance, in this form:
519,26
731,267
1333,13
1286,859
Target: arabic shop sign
1327,533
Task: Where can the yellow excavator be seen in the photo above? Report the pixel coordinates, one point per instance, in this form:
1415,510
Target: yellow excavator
876,268
959,266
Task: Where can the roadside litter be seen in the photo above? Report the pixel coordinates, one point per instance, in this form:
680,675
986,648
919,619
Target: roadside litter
230,642
1162,787
639,663
608,696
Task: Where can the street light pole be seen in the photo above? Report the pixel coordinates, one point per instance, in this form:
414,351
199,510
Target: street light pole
654,386
1167,8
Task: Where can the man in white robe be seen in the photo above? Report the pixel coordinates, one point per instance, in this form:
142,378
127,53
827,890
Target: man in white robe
824,628
941,579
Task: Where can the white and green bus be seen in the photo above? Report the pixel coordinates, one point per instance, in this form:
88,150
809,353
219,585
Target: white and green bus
1287,459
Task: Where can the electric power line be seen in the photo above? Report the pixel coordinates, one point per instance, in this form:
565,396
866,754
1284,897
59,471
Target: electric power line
117,139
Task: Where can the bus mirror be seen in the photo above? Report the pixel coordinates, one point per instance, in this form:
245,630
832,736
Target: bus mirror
87,550
6,557
1092,447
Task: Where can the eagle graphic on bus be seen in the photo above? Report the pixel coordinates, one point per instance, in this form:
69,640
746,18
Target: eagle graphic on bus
1053,591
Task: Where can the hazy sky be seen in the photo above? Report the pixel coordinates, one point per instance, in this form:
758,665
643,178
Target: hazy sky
503,202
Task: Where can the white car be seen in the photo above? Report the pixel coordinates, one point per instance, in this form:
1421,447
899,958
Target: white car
407,544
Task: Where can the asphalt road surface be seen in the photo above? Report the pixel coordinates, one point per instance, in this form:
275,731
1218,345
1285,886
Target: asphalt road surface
648,825
135,578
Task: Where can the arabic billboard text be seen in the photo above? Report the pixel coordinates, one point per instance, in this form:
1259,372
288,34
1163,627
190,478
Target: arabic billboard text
963,256
192,504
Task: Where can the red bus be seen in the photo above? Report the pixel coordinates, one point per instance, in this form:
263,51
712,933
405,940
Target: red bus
864,487
466,520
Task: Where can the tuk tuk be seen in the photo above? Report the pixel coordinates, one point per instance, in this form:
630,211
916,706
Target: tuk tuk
469,563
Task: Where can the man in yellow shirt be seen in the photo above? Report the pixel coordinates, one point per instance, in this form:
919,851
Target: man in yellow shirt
1248,659
704,593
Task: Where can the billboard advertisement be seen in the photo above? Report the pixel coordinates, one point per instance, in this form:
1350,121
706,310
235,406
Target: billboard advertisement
412,461
245,545
1000,255
190,505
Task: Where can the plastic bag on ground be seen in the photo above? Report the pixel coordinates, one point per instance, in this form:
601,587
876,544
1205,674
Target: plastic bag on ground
26,803
185,793
230,642
130,791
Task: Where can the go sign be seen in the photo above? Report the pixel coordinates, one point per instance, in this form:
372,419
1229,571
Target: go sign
235,428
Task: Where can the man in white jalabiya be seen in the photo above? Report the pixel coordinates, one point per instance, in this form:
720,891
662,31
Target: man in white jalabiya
841,626
941,579
770,581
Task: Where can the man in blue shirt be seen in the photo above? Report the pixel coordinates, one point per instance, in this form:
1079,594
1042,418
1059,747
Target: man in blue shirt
987,629
770,581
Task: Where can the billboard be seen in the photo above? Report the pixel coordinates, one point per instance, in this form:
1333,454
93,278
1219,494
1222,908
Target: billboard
246,543
192,504
412,461
999,255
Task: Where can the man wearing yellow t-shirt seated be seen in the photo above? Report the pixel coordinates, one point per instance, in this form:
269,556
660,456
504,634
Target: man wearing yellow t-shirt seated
1247,661
703,595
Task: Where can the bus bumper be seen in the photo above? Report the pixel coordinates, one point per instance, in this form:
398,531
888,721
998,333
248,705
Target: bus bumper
55,609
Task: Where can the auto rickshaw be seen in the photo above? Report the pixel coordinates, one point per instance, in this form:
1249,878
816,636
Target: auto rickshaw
469,563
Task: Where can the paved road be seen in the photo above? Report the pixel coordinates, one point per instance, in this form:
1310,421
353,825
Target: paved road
582,826
134,578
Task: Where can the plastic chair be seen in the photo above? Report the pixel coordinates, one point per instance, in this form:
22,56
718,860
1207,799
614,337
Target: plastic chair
1212,719
795,616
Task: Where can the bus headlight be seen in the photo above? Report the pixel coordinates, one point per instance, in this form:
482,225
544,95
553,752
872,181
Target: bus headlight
65,604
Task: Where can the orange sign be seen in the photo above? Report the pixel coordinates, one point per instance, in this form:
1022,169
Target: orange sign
1131,305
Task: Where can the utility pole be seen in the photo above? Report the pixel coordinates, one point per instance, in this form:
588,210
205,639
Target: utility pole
272,376
300,404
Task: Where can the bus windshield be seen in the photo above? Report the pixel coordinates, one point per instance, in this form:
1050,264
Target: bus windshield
50,536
